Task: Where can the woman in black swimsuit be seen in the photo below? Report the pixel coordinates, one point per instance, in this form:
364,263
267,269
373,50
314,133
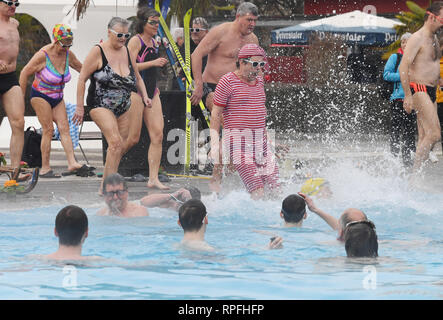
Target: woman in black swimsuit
144,47
114,82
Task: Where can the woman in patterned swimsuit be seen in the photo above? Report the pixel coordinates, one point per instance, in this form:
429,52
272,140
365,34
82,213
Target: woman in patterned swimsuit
145,48
51,68
112,93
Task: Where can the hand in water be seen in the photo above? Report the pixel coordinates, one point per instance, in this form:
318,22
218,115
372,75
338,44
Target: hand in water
276,243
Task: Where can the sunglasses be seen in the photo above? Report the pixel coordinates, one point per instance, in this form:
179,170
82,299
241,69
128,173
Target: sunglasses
153,22
65,45
255,64
368,222
195,30
11,3
121,35
119,193
436,17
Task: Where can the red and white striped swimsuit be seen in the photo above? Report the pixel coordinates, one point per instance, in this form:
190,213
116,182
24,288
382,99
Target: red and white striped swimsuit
244,130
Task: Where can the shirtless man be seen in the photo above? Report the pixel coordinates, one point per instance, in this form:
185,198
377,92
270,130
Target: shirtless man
221,45
115,192
10,92
419,74
71,229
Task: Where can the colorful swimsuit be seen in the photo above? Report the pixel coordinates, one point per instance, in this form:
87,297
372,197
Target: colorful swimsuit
110,90
244,131
149,75
49,83
431,91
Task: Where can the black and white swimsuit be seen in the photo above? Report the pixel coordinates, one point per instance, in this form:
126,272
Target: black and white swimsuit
110,90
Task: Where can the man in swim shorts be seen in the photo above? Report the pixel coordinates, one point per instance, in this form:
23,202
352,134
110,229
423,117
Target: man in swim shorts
10,93
115,192
419,74
221,45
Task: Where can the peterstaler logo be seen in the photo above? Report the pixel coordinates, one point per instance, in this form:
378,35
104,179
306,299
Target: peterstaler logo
289,35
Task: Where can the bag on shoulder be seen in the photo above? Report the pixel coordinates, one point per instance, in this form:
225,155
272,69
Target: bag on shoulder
387,87
32,154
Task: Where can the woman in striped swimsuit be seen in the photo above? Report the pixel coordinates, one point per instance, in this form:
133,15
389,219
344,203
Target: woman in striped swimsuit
51,68
240,98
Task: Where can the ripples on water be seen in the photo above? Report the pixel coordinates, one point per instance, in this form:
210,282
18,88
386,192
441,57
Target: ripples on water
144,260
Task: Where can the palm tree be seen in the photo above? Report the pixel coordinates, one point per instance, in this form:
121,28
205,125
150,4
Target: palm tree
411,21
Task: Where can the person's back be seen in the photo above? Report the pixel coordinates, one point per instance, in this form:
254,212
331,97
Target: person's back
71,228
361,240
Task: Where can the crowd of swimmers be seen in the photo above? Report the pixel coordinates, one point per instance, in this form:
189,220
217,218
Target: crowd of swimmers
353,227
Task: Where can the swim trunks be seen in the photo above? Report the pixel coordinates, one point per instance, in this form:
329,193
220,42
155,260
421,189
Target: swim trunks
207,89
110,90
431,91
7,81
149,75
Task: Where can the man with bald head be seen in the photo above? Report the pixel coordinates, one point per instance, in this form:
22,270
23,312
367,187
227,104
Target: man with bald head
348,216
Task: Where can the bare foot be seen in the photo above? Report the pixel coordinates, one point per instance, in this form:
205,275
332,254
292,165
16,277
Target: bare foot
157,185
76,166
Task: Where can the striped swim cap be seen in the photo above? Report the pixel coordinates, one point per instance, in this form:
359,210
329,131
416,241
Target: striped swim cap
250,50
62,31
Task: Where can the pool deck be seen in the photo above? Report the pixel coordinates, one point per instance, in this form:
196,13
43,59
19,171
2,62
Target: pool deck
312,154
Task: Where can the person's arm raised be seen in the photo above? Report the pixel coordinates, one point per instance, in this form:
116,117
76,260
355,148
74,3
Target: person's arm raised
333,222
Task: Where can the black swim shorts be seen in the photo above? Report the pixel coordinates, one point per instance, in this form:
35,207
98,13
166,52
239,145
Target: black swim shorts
7,81
431,91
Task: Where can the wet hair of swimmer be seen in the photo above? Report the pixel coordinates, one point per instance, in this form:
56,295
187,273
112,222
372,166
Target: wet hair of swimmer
293,208
191,215
361,240
114,180
71,224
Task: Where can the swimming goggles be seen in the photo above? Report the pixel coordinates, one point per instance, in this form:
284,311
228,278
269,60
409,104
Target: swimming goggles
65,45
11,3
255,64
197,30
121,35
436,17
368,222
153,22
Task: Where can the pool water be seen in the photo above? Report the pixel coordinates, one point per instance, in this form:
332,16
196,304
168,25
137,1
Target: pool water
144,260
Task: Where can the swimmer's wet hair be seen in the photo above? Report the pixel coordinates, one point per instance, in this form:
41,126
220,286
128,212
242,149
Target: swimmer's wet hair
71,224
191,215
361,240
247,7
293,208
113,180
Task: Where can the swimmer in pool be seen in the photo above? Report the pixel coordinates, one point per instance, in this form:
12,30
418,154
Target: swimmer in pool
171,200
193,218
293,211
349,215
115,192
71,229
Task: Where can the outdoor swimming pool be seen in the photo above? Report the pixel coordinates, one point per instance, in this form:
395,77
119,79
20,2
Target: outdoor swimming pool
146,263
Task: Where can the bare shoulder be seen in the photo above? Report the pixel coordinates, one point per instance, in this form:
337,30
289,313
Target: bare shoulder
102,212
14,22
138,210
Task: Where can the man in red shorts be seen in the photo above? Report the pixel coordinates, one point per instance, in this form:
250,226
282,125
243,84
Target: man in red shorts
240,99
